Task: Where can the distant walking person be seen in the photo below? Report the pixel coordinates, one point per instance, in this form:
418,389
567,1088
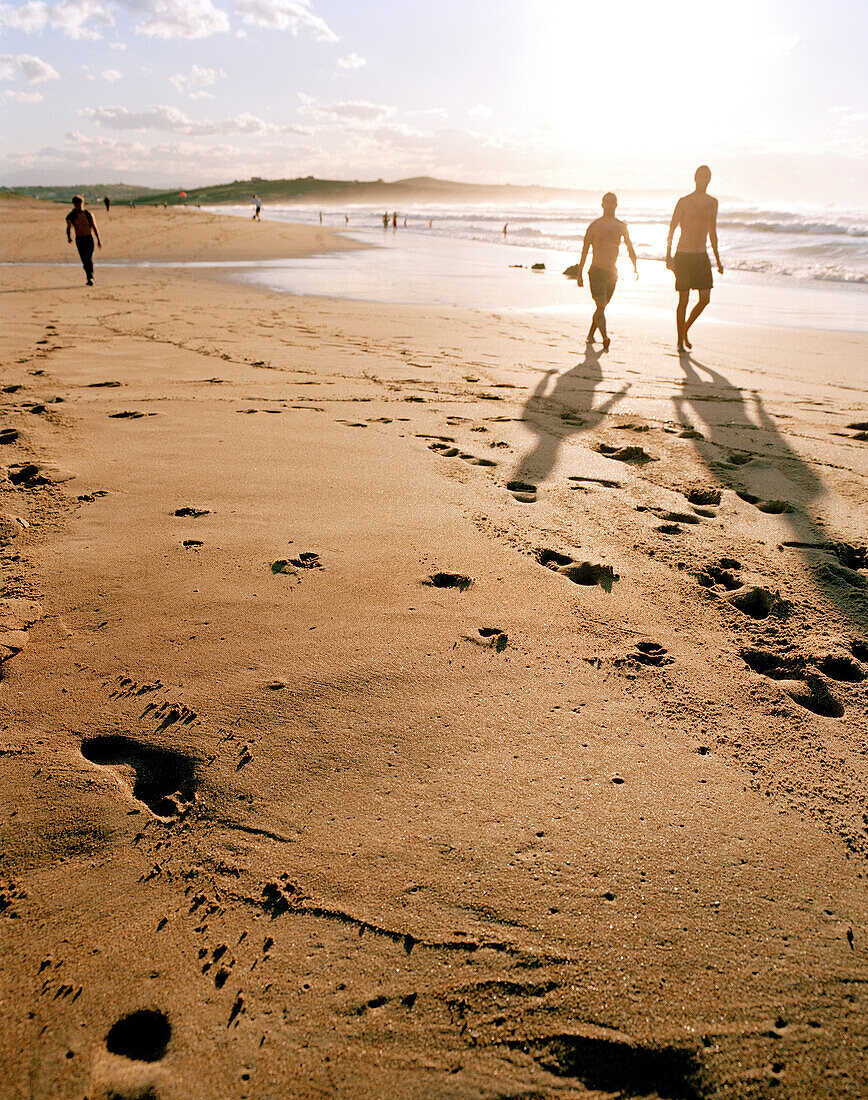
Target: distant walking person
82,222
108,203
395,220
603,239
257,207
696,216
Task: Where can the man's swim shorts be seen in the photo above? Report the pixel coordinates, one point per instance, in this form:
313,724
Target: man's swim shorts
602,282
692,271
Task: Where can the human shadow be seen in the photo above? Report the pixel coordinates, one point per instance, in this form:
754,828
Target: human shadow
743,447
567,408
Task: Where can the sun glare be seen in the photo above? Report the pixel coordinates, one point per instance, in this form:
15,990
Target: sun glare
634,77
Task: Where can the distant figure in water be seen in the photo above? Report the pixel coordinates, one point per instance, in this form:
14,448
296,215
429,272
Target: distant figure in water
395,220
405,223
696,216
108,203
257,207
346,219
604,237
82,222
320,217
386,220
505,228
430,223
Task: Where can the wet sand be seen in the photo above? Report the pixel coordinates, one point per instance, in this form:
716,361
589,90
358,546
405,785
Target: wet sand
408,701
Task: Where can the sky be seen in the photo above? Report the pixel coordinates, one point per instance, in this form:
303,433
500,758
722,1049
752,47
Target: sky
621,94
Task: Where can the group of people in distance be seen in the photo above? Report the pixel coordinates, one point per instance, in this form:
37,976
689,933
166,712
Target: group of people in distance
694,217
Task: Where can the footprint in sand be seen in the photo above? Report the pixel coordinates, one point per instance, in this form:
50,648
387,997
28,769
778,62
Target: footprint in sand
584,572
616,1064
770,507
305,560
523,491
721,574
103,385
129,414
142,1036
794,677
636,456
446,450
441,579
650,653
759,603
8,435
494,637
704,495
162,779
860,427
189,511
583,482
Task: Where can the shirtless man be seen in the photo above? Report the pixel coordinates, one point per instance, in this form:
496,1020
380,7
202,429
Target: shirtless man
696,216
604,236
82,222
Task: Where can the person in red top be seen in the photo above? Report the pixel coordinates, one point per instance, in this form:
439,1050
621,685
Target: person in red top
82,222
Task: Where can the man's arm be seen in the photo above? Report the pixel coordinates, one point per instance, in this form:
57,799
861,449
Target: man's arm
673,225
712,235
631,251
69,231
95,231
586,247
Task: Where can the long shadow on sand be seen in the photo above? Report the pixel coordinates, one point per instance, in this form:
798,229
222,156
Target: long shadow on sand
745,450
558,413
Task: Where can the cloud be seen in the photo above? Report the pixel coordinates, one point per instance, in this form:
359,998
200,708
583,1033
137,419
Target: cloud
29,17
25,97
194,83
480,111
291,15
34,68
111,75
7,66
172,120
178,18
87,19
351,61
358,110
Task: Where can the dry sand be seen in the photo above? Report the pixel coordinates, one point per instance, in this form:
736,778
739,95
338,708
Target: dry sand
283,817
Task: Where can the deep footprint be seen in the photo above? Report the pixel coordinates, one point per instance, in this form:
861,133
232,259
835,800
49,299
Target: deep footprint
523,491
804,687
449,580
620,1066
759,603
142,1036
584,572
636,455
165,780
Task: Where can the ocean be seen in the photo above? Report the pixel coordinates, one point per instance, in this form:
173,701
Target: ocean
809,243
798,268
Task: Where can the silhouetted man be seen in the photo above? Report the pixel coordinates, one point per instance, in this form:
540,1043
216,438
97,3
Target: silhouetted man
604,237
82,222
696,216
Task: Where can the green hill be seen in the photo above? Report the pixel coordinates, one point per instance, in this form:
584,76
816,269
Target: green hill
117,192
312,190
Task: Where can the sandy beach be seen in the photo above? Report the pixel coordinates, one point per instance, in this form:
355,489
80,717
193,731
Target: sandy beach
407,701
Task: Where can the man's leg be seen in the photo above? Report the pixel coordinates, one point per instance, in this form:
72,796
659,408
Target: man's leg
85,251
598,321
704,299
680,314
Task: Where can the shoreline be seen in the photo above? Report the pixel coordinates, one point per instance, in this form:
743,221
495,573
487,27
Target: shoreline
278,772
